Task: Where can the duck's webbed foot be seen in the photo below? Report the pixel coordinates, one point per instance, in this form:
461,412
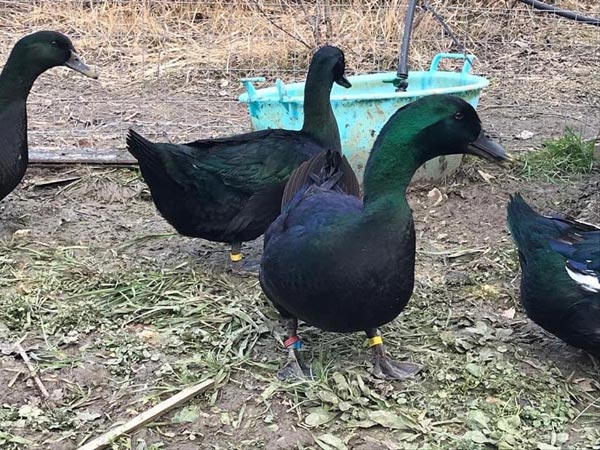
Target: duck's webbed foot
251,266
385,367
294,368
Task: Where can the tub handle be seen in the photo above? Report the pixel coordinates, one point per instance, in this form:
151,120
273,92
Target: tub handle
281,90
247,83
466,68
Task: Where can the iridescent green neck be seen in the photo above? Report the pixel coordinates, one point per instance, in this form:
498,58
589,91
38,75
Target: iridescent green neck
396,155
319,120
17,78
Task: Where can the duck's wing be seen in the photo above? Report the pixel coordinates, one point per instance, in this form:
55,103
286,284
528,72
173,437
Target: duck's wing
328,170
589,249
249,162
254,160
579,242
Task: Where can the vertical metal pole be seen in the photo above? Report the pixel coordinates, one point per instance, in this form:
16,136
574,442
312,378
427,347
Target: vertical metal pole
402,73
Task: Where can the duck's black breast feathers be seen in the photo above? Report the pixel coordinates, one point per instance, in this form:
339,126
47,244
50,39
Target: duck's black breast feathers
323,263
323,266
13,146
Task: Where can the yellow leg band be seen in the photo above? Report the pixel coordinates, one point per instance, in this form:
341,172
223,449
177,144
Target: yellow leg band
377,340
235,257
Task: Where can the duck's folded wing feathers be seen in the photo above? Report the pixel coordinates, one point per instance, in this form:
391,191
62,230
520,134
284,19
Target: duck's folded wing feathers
580,244
251,161
264,202
585,248
216,144
327,170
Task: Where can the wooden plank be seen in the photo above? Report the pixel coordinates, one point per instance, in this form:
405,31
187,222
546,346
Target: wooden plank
105,439
54,181
81,155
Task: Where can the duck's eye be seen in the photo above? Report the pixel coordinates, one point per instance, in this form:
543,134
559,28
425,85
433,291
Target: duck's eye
54,44
459,116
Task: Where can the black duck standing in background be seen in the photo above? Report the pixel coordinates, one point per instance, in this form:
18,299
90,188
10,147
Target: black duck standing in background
560,283
346,265
30,57
229,190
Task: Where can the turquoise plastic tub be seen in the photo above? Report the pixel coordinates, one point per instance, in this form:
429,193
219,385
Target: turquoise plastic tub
362,110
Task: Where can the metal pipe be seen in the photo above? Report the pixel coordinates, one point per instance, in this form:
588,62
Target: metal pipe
402,73
562,12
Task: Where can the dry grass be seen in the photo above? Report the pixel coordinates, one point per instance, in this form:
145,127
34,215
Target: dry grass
150,36
164,63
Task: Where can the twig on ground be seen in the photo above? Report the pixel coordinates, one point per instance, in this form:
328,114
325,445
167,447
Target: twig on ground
33,371
142,419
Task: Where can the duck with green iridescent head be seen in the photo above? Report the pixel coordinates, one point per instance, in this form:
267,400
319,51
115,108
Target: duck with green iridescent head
29,58
345,265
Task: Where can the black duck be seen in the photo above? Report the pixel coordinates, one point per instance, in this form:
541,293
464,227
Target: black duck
229,190
560,264
30,57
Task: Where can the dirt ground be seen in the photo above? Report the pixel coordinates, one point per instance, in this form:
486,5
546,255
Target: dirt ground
70,250
118,312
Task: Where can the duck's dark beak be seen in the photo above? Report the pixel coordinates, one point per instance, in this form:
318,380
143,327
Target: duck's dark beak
343,81
488,149
75,63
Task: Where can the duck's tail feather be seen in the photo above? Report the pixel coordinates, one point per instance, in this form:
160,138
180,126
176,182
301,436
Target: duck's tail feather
529,230
520,218
139,146
148,154
329,170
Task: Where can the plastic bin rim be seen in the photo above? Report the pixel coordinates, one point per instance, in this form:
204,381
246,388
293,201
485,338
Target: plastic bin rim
475,83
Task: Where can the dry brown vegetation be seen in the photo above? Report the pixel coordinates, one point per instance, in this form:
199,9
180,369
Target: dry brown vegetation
168,50
240,35
191,54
